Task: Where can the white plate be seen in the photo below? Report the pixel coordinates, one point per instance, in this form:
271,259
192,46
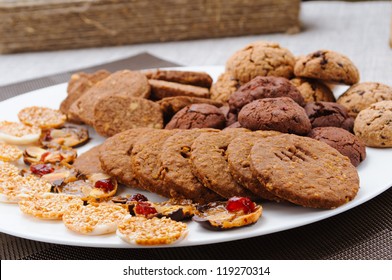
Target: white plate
374,173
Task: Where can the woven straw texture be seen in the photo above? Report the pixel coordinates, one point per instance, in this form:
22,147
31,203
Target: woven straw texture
364,232
59,24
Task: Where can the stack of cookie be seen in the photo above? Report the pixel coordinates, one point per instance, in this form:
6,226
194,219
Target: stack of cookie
208,165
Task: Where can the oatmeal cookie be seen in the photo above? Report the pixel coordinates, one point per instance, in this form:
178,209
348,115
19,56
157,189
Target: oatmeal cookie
224,87
374,125
313,90
210,166
362,95
177,170
328,66
304,171
260,59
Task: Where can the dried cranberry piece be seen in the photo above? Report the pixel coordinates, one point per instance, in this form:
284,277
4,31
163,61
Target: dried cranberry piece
105,184
48,136
138,197
41,169
43,157
144,208
244,204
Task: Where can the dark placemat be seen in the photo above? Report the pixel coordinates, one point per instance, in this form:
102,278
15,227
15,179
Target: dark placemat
364,232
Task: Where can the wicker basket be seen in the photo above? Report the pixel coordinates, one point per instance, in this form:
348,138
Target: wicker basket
33,25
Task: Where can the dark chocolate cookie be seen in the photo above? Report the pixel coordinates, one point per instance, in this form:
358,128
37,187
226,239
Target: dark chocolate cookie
346,143
323,114
198,116
280,114
264,87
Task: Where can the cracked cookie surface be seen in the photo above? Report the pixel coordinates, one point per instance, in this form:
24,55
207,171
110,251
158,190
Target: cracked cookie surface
343,141
362,95
374,125
280,114
198,116
261,59
304,171
327,65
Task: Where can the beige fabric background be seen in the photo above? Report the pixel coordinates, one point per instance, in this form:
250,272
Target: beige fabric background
359,30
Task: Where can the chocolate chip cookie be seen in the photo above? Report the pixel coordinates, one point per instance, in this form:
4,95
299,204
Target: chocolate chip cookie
171,105
210,166
88,163
343,141
238,156
147,164
313,90
161,89
125,82
79,84
198,116
115,155
304,171
279,114
264,87
117,113
176,166
260,59
328,66
374,125
362,95
199,79
224,87
329,114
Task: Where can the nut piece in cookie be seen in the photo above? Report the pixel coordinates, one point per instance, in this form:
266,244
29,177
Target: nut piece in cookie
115,155
114,114
125,83
279,114
343,141
171,105
224,87
313,90
161,89
78,85
177,169
260,59
374,125
236,212
48,206
322,114
362,95
155,231
41,117
264,87
199,79
18,133
69,136
94,219
198,116
304,171
328,66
